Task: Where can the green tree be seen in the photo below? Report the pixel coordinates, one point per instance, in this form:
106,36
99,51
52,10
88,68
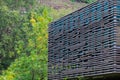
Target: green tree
32,61
13,38
8,35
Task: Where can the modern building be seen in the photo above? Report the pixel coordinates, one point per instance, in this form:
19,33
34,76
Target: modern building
85,42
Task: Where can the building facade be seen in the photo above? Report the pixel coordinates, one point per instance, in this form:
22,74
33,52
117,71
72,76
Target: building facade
85,42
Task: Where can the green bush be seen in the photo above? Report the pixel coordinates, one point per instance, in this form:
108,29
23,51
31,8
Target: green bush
33,67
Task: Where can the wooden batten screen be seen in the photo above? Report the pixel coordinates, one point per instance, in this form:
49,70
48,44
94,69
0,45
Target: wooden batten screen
85,42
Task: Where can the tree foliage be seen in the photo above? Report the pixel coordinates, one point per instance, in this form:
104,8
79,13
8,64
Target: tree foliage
12,36
31,49
8,35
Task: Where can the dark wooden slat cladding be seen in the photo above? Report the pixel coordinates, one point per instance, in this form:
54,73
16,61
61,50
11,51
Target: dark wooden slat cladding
85,42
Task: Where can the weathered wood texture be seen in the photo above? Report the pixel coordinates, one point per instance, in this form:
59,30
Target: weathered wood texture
86,42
